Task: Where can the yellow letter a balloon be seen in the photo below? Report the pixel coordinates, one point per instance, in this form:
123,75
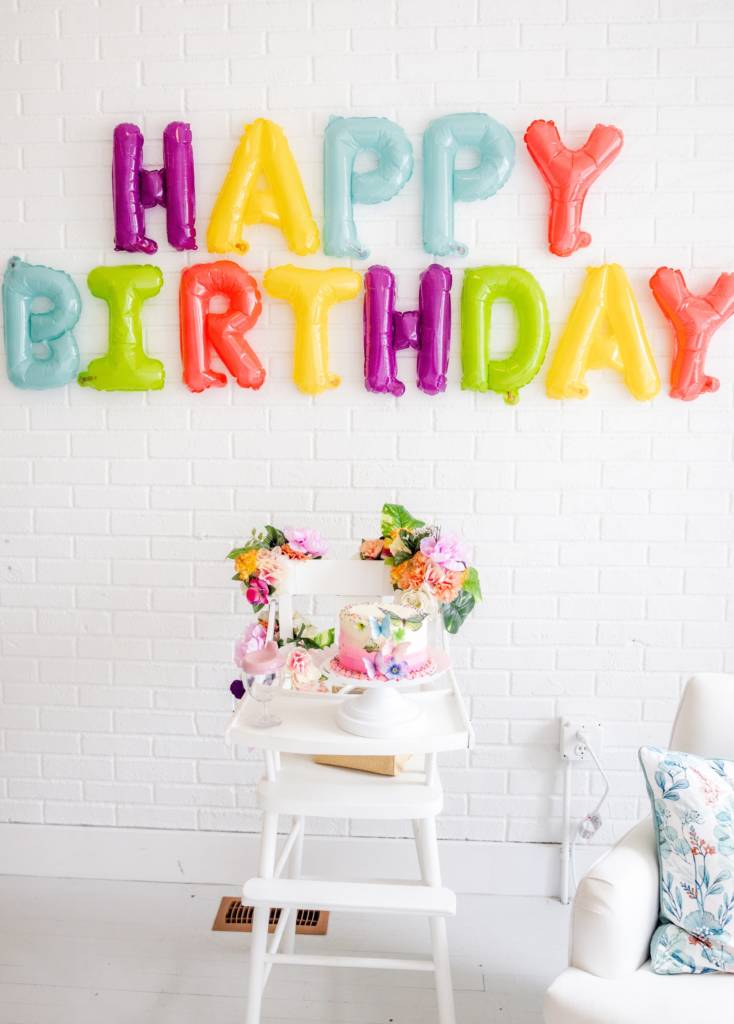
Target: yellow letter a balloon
263,148
605,329
312,293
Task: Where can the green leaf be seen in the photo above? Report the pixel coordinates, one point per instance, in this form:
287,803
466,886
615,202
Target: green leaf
455,613
472,585
241,551
274,537
402,556
395,517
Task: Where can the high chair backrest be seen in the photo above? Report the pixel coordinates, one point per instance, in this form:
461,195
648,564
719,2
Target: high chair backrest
347,580
704,722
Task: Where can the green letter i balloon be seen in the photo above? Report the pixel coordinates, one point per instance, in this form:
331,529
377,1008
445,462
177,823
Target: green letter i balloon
126,366
482,286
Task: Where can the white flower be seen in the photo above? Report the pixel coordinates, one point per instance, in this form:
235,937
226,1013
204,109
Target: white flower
422,599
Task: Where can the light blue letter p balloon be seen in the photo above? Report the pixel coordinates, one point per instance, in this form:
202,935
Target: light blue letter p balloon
343,186
22,284
443,185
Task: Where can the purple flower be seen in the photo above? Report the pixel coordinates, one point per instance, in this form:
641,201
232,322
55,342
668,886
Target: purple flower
237,688
257,591
395,669
306,541
448,550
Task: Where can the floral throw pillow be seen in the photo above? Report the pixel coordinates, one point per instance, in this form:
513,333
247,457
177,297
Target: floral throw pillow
693,808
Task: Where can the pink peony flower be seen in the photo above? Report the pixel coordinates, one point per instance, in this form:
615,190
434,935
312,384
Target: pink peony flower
257,591
271,566
448,550
306,541
303,672
253,639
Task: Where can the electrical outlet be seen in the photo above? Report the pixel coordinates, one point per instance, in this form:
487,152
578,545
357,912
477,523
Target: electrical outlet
575,747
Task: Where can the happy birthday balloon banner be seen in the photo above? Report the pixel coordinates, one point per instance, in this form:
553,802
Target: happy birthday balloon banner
605,328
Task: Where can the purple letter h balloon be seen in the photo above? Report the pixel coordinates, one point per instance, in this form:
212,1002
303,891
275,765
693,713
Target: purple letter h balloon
427,329
134,189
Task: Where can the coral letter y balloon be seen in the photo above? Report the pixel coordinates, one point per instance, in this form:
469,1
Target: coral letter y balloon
695,319
605,329
312,293
262,149
568,174
126,367
22,284
224,332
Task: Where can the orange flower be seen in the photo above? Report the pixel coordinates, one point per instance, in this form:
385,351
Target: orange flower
448,589
371,548
246,564
298,556
410,575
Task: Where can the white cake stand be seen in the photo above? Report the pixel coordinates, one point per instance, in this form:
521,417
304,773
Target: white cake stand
381,712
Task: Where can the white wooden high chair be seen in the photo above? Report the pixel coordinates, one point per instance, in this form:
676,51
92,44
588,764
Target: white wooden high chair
294,785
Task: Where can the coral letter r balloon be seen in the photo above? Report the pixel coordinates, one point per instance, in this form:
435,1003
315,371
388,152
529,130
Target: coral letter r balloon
224,332
695,319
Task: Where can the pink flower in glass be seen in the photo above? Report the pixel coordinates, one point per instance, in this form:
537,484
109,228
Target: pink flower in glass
253,639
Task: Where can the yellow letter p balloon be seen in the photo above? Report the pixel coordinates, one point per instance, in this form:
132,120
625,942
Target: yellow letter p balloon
312,293
263,148
605,329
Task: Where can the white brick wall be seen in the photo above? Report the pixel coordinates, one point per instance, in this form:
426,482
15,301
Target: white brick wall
602,529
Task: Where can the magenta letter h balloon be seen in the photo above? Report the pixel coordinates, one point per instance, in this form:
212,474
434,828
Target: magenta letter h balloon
134,189
427,329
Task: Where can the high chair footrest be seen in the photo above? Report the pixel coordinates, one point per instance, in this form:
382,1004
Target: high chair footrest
368,897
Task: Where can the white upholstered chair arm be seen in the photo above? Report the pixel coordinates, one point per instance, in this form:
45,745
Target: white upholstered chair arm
616,907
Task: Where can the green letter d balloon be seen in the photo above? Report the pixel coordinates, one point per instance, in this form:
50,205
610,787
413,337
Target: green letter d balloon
482,287
126,366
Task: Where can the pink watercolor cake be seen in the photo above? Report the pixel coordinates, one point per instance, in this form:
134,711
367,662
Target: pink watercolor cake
383,640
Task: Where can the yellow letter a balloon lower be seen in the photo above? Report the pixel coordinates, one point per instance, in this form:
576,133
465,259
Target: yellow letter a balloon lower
312,293
605,329
262,148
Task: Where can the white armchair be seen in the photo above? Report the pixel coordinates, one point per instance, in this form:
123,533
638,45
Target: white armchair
615,911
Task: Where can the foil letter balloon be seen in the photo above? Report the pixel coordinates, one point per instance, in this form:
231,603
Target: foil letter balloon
23,328
694,319
482,287
605,329
343,186
134,189
312,293
125,367
427,329
263,149
443,184
569,173
202,331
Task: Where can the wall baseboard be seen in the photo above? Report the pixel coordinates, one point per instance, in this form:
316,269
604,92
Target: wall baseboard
229,858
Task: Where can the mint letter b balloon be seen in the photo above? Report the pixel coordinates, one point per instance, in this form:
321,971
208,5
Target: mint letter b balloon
22,284
343,186
443,184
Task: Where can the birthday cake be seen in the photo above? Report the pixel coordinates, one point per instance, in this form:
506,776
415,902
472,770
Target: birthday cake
382,641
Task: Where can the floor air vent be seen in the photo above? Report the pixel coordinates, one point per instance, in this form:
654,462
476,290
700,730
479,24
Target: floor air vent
233,917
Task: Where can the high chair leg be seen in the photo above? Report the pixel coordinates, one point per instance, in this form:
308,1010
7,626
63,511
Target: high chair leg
260,920
294,871
427,845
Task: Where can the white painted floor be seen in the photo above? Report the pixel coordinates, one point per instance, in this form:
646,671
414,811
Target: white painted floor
90,952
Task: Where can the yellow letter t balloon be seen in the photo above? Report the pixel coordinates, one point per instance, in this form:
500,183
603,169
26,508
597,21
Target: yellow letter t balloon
605,329
312,293
263,148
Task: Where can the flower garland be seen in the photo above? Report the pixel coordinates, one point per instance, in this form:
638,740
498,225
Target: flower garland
262,564
429,566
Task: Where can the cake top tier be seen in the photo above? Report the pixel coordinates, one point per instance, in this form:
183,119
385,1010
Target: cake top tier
378,610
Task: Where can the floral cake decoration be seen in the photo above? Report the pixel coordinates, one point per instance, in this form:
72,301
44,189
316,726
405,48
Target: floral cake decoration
429,565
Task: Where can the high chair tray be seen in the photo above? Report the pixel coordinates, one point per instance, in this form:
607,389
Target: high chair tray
309,726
